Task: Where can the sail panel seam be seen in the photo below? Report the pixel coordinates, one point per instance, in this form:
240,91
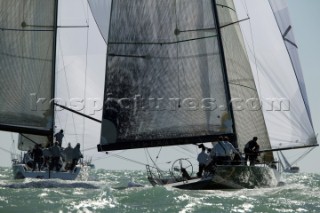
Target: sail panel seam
161,43
164,58
221,5
233,23
25,30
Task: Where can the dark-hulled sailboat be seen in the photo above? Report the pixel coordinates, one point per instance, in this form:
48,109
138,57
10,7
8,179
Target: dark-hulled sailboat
186,72
285,165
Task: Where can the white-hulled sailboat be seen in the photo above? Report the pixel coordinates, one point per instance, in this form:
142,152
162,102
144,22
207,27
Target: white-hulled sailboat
31,81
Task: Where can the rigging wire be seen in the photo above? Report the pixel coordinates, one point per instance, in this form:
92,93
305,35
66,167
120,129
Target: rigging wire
131,160
85,74
302,156
67,84
180,148
5,150
150,157
257,88
178,64
154,163
127,159
86,12
145,153
157,157
257,63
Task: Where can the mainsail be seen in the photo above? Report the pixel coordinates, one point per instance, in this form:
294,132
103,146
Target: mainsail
27,40
165,83
164,56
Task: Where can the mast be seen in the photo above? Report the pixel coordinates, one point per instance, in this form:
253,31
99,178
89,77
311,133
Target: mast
224,68
54,49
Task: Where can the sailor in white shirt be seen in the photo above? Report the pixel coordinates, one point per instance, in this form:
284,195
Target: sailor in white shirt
233,151
222,152
203,158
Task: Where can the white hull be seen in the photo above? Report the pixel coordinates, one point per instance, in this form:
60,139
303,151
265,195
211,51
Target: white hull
20,171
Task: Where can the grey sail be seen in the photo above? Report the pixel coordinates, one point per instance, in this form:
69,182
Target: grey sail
101,13
164,79
27,142
27,77
281,13
273,55
247,110
27,40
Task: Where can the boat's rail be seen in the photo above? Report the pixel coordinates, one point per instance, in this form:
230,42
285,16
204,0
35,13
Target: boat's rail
159,177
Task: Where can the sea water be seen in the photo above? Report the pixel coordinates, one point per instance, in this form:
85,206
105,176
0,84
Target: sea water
108,191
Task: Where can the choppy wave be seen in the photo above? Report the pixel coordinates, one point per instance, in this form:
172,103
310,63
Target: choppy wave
108,191
49,184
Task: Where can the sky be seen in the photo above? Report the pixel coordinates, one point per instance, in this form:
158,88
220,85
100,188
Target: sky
304,17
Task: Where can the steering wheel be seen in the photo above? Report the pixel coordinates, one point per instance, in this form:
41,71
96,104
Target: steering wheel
182,168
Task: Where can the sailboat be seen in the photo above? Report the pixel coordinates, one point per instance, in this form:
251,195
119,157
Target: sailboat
291,166
22,166
188,72
30,82
177,73
286,166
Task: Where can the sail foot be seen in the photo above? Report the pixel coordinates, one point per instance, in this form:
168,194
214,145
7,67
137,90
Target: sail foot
122,144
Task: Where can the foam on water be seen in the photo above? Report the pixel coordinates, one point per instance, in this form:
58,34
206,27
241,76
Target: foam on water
300,194
30,183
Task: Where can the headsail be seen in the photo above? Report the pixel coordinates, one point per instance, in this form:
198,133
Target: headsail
164,79
27,142
272,52
101,13
280,10
27,40
248,115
